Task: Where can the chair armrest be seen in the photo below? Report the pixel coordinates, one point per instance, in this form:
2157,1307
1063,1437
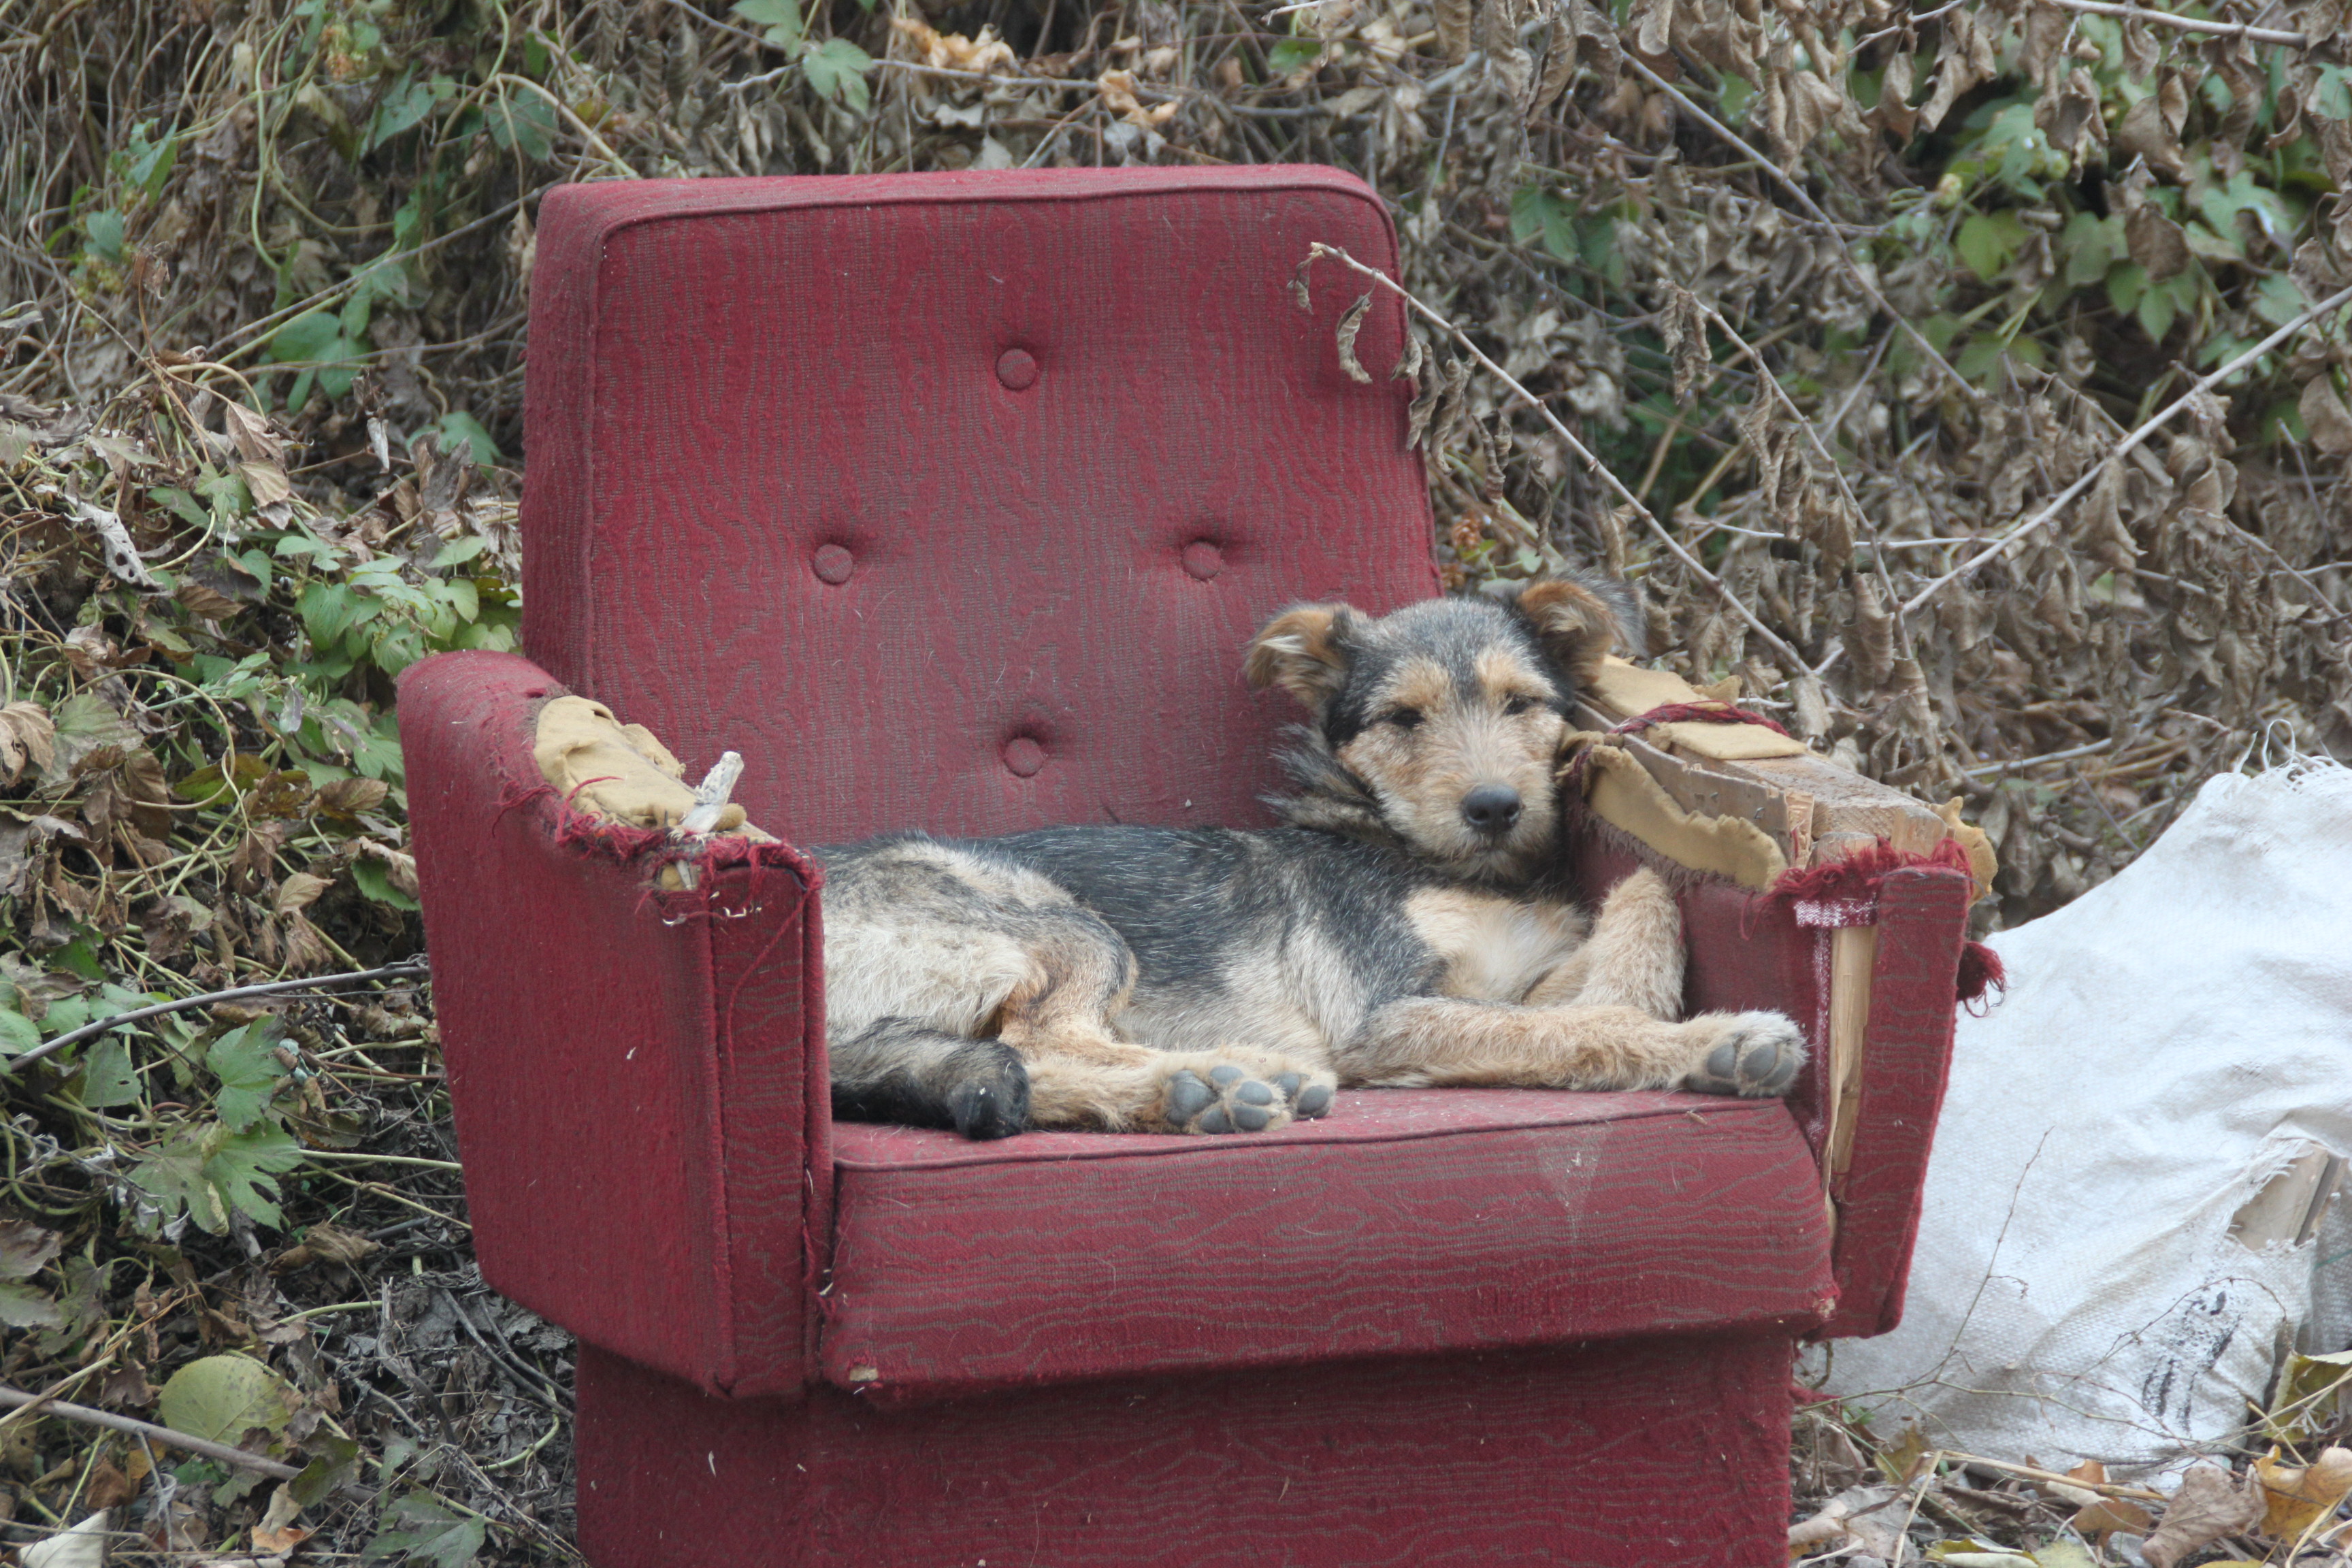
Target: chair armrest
638,1078
1810,890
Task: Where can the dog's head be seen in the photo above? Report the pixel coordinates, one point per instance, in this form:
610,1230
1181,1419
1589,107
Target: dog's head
1447,716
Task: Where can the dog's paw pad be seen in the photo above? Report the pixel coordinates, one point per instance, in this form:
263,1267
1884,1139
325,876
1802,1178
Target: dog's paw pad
1288,1083
1251,1118
1313,1100
1187,1096
1759,1055
1254,1093
1224,1075
1213,1120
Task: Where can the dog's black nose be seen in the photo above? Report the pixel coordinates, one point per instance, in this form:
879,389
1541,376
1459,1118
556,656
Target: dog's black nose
1491,809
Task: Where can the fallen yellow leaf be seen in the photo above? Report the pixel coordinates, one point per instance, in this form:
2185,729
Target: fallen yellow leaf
2294,1497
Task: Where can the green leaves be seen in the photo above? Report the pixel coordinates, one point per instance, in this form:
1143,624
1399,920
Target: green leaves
523,121
145,162
19,1034
424,1531
1987,242
837,68
206,1172
105,231
25,1249
223,1397
247,1062
404,105
1540,214
778,20
317,342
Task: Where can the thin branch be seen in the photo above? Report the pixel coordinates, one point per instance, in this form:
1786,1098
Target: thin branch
405,968
2188,23
14,1398
2104,1489
2121,450
1837,471
2015,763
1812,210
1690,561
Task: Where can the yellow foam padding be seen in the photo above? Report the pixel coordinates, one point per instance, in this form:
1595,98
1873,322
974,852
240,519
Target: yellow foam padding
1623,793
1630,689
617,771
1982,862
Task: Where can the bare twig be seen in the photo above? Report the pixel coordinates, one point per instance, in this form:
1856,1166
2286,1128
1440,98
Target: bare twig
1837,472
2120,450
2188,23
2015,763
2104,1489
1690,561
16,1398
405,968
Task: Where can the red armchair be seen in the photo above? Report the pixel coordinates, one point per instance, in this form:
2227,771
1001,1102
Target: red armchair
949,502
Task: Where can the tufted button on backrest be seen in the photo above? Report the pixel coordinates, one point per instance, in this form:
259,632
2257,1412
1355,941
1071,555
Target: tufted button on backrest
831,563
1017,368
897,484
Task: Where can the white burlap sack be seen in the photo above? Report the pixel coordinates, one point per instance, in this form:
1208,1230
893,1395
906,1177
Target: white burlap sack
2172,1044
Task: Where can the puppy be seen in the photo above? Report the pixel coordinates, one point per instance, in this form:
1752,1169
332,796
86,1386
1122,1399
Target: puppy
1406,925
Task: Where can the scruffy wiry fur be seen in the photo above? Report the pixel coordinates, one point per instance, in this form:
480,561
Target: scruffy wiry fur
1401,928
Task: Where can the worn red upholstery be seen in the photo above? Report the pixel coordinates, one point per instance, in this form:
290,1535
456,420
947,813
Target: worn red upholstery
1408,1222
949,503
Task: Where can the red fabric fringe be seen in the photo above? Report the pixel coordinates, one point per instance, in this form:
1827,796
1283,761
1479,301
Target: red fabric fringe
1981,972
1856,877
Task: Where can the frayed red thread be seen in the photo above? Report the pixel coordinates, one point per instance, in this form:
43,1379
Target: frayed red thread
1858,875
1981,972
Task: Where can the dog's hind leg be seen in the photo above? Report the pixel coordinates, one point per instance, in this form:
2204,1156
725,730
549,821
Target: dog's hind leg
1058,1020
897,1069
1633,959
1433,1041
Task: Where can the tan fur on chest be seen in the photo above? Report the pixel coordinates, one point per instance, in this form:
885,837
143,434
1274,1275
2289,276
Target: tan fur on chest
1496,949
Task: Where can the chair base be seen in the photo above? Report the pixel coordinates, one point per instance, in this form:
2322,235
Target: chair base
1659,1452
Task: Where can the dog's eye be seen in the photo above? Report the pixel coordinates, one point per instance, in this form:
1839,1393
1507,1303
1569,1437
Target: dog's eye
1406,718
1515,706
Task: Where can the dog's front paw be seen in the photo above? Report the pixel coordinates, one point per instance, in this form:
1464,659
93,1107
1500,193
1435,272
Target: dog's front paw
1749,1054
991,1098
1211,1095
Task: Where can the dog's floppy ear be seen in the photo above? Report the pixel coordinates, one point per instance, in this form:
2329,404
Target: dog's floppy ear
1305,650
1580,618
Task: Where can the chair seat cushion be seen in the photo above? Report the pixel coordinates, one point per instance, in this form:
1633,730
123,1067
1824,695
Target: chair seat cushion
1407,1222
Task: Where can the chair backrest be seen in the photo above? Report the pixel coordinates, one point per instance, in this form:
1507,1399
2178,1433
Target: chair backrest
951,500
